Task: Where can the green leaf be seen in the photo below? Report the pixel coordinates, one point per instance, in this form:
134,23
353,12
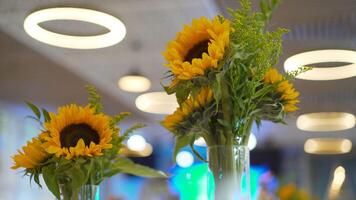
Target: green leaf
49,176
37,179
195,152
46,115
183,90
132,129
77,176
181,141
118,118
125,165
34,109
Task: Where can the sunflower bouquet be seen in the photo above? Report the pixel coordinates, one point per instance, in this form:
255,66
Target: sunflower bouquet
78,147
221,72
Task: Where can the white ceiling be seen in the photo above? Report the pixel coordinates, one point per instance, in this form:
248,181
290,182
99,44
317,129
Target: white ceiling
151,23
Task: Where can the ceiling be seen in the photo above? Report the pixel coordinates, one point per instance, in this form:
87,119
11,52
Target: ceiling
316,24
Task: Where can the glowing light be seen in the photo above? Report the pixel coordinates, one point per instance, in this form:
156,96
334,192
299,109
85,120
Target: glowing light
327,146
147,151
157,103
136,143
323,56
252,142
184,159
326,121
200,142
117,30
134,83
337,182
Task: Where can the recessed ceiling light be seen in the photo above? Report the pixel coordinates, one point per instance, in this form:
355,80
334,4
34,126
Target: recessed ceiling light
157,103
323,56
327,146
326,121
117,30
134,83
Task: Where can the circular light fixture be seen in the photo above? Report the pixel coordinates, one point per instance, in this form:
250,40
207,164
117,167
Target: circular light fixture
185,159
327,146
323,56
117,30
326,121
157,103
134,83
252,142
136,143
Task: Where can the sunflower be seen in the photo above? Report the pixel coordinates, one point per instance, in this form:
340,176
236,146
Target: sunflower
285,89
78,131
287,192
197,48
31,156
204,96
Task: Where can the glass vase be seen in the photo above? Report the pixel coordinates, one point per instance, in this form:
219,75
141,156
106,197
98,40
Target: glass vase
86,192
229,172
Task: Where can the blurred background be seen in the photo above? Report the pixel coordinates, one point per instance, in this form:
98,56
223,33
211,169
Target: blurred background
52,76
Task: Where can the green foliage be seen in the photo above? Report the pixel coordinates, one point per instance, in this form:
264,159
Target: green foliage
67,176
94,99
240,96
300,70
49,177
115,120
35,110
38,113
125,165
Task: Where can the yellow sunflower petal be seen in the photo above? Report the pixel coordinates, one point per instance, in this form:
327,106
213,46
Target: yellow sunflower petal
74,121
203,42
31,156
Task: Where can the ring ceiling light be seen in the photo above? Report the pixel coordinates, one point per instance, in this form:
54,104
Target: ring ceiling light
323,56
326,121
157,103
327,146
117,30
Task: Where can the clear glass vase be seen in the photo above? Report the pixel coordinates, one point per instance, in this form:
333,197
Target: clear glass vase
229,172
86,192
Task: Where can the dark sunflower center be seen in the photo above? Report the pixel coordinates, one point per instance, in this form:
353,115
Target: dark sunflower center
71,134
197,51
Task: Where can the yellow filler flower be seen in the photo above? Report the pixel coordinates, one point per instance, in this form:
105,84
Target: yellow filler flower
197,48
78,131
288,94
188,107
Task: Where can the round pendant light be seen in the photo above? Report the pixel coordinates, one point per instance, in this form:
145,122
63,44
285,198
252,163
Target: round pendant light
327,146
117,30
326,121
134,83
323,56
157,103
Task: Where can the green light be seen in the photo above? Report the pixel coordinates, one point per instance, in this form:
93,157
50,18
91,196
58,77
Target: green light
191,182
